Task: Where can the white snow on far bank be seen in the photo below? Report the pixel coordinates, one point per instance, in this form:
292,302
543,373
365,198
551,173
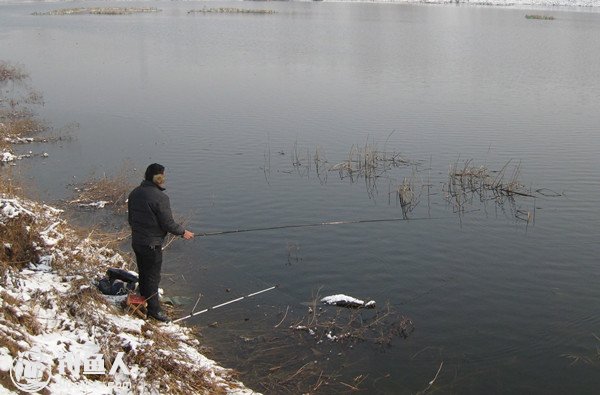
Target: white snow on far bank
504,3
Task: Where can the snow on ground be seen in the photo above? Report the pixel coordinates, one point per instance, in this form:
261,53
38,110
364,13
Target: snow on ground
52,314
347,301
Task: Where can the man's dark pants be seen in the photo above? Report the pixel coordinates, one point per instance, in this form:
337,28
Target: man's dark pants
149,262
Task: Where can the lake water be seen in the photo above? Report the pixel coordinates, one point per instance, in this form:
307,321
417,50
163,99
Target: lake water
239,106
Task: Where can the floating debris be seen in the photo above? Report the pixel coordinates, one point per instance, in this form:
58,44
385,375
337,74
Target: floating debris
342,300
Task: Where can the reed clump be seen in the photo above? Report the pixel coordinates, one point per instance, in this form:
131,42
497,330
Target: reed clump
589,359
98,192
340,324
467,182
17,116
11,72
407,195
99,11
324,333
468,178
541,17
19,238
230,10
368,161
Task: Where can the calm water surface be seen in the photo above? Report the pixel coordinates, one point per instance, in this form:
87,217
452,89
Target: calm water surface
228,102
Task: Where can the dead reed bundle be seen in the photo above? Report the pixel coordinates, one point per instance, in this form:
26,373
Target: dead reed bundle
17,117
542,17
230,10
11,72
98,192
12,314
283,368
340,324
107,239
407,196
10,183
368,161
480,179
13,128
589,359
468,182
322,356
19,238
99,11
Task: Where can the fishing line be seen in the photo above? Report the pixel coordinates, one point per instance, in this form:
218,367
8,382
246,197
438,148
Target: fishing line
362,221
318,224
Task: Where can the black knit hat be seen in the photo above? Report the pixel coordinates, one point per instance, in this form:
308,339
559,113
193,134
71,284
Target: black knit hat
153,170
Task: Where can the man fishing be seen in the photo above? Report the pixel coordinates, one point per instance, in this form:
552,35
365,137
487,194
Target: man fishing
150,218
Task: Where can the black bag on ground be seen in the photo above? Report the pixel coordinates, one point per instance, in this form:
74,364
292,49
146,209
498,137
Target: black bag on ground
120,274
117,282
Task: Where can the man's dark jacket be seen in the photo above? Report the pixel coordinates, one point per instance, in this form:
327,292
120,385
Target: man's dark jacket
150,215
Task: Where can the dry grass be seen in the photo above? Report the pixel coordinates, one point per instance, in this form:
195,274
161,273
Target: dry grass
11,72
21,127
112,190
369,164
11,313
171,375
17,117
542,17
18,240
589,359
407,195
354,325
108,239
467,183
480,179
336,328
10,184
368,161
229,10
312,353
99,11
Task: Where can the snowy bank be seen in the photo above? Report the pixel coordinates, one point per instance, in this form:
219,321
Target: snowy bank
57,332
535,3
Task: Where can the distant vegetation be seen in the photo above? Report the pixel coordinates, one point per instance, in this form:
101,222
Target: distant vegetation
11,72
231,11
543,17
99,11
17,115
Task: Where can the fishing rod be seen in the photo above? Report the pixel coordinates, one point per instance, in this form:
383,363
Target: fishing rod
224,304
362,221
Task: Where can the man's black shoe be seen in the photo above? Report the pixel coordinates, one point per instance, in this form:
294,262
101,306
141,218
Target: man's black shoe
159,316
